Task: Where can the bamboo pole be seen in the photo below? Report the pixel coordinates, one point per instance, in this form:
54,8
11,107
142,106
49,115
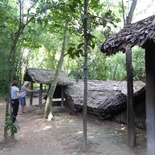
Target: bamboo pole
40,96
31,94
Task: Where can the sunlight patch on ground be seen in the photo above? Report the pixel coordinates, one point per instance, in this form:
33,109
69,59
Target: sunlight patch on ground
46,127
80,132
1,104
123,128
91,135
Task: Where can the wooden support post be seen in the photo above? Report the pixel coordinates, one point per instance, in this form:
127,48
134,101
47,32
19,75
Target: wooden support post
62,96
150,98
31,94
40,96
130,109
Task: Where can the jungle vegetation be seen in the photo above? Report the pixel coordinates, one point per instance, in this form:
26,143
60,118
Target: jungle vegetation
32,34
64,35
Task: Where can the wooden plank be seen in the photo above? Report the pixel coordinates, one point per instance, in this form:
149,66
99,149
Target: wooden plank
150,98
62,96
40,96
130,109
31,94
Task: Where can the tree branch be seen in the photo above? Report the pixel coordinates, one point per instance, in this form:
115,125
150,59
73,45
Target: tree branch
28,11
130,15
44,9
123,12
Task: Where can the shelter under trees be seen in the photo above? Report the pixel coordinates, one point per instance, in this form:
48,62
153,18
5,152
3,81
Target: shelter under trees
45,77
141,33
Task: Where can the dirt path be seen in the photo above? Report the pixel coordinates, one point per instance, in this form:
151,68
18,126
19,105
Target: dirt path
64,136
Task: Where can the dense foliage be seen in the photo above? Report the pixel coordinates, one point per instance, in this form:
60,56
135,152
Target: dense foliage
32,33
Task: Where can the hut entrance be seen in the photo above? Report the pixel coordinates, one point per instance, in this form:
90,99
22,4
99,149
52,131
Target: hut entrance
58,97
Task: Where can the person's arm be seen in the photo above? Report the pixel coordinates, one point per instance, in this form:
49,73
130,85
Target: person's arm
19,95
29,90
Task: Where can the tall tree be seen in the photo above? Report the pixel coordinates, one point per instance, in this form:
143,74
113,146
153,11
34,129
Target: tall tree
48,108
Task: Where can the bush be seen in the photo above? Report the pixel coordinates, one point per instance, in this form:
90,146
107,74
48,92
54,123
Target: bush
13,127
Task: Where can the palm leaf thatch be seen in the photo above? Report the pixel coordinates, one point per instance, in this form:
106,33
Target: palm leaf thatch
46,76
139,33
104,97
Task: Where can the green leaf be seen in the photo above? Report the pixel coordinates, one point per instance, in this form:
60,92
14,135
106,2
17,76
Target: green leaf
82,74
84,16
72,8
70,50
80,45
80,30
71,73
78,52
77,78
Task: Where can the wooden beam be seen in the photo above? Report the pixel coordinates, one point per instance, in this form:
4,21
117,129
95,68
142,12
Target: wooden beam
150,97
31,94
62,96
130,109
40,96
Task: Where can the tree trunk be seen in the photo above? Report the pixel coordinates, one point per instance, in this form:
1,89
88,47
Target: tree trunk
131,12
123,12
129,17
6,112
48,107
85,74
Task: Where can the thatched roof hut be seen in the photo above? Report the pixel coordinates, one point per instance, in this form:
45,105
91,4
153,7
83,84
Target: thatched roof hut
44,76
140,33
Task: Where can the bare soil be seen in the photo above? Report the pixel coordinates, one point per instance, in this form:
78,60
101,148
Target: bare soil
64,135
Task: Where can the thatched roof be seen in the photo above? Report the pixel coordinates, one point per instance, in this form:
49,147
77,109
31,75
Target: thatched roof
105,98
45,76
139,33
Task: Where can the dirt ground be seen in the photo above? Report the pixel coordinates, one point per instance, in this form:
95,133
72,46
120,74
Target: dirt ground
64,136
